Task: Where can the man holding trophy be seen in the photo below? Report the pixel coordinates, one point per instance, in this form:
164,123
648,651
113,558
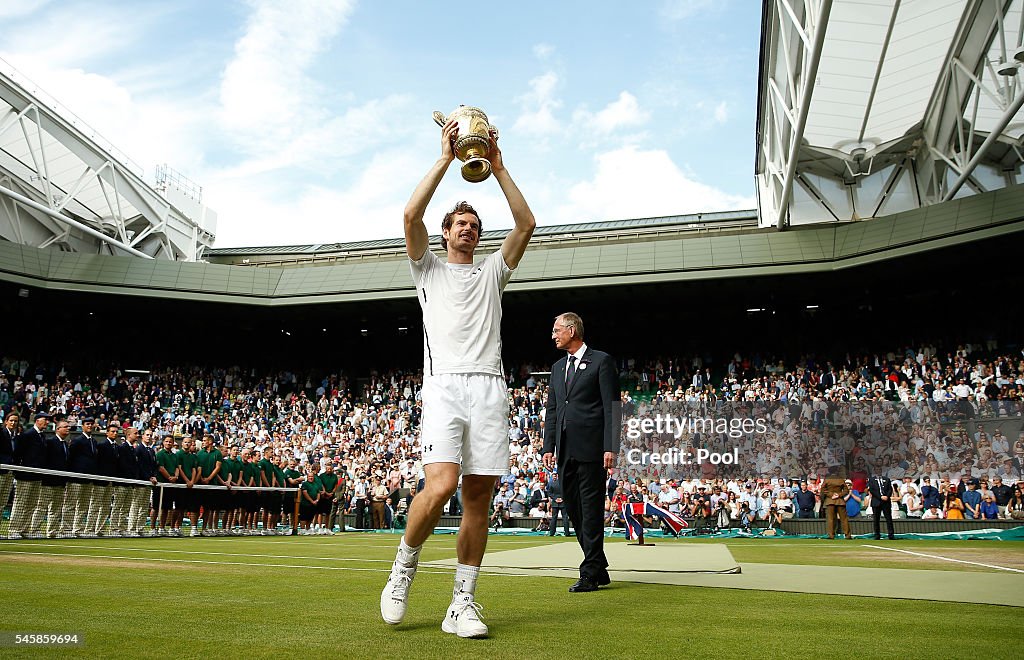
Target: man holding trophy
465,404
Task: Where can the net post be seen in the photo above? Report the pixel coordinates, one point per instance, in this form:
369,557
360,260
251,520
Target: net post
295,512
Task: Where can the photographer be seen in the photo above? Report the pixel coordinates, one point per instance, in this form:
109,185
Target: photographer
500,515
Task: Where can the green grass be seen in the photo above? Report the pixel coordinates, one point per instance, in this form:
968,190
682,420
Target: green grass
322,601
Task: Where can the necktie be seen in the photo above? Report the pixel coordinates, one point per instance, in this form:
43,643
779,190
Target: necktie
570,371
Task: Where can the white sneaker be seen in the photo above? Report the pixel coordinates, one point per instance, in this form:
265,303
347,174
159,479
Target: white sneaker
395,597
463,617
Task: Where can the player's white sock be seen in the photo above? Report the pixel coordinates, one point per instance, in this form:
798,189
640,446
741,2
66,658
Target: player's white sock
408,555
465,579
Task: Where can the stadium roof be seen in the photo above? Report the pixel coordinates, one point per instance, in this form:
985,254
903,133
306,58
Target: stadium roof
696,220
869,107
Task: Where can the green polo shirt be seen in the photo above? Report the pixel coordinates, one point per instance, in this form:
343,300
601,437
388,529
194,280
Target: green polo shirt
280,476
167,461
251,471
292,474
187,462
313,488
267,468
329,480
231,468
208,461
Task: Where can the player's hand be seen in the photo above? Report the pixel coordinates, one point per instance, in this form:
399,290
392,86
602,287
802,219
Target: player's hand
494,155
449,132
549,460
609,460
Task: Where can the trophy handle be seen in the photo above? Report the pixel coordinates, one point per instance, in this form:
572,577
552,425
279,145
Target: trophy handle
439,118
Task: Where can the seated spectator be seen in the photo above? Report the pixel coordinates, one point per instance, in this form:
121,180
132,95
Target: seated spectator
912,502
989,508
932,513
953,508
1015,507
784,503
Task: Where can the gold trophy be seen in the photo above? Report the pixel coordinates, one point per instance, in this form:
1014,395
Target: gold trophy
473,142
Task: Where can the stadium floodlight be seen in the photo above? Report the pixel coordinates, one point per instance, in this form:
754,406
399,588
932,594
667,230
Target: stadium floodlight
755,309
812,307
136,371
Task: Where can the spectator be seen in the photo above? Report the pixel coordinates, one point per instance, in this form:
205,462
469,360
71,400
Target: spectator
972,501
989,510
953,508
805,501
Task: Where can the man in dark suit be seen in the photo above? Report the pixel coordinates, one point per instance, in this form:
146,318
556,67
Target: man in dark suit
81,459
29,451
7,433
103,489
881,489
51,495
582,428
557,505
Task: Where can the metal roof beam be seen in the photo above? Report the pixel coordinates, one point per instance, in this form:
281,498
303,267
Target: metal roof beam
60,217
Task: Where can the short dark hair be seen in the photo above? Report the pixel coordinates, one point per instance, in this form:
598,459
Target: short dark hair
461,207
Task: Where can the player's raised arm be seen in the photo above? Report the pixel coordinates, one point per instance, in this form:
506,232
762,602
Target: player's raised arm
416,237
514,245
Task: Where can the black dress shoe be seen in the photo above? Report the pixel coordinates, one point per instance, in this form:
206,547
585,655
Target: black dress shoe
604,579
583,584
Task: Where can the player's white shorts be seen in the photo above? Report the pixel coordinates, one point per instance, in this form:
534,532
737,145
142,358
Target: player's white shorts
465,421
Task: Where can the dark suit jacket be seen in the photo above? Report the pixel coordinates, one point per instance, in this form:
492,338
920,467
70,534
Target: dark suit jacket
555,492
127,461
146,458
590,411
56,457
106,461
876,494
29,451
6,446
82,455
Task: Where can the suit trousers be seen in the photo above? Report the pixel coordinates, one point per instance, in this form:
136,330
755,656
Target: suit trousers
99,507
583,493
139,508
51,502
6,484
831,511
555,510
76,508
122,504
884,507
26,499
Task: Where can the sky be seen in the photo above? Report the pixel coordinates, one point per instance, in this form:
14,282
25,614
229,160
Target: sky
309,121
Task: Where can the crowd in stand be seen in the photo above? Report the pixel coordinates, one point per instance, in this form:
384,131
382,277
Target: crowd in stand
945,424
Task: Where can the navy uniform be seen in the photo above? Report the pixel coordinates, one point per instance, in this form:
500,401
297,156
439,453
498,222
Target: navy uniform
29,451
127,468
102,493
81,459
7,458
52,489
145,457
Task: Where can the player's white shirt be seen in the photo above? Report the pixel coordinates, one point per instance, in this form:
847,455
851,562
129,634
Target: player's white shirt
461,306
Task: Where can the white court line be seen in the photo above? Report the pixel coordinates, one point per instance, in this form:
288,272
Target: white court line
959,561
235,563
202,552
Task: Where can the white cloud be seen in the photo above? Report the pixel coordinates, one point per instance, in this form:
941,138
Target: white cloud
20,8
722,112
266,95
635,183
623,112
539,106
677,10
543,51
